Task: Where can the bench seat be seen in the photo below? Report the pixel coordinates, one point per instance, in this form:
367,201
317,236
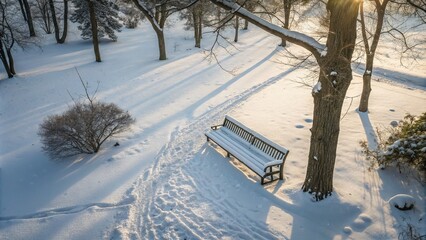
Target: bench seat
255,151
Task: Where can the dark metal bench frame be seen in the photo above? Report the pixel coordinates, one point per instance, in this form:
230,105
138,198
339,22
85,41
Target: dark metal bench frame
260,144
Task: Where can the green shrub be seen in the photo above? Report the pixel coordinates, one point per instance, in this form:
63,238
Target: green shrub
403,146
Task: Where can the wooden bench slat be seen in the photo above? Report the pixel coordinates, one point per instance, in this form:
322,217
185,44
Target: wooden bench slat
239,152
261,155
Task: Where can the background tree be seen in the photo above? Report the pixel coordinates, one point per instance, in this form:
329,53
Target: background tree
370,49
157,12
106,15
13,33
42,14
195,17
26,12
6,44
7,38
97,19
334,60
55,20
132,16
197,11
371,37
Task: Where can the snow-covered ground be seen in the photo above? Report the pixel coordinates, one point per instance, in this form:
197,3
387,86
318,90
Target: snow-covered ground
164,181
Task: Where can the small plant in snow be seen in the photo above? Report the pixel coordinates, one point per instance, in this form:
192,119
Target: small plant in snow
404,146
83,128
410,232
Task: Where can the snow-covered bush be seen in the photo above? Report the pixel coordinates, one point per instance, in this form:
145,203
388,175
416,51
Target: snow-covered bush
83,128
405,145
402,202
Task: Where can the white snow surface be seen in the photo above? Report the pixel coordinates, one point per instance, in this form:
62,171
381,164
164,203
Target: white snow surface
164,181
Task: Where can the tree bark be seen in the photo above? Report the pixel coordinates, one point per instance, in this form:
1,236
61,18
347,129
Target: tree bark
65,29
5,62
366,84
61,39
23,10
94,26
161,45
11,61
237,26
29,18
370,51
196,18
287,9
335,78
200,25
157,20
246,23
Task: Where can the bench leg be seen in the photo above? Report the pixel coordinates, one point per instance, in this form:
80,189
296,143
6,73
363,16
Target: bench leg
262,181
281,171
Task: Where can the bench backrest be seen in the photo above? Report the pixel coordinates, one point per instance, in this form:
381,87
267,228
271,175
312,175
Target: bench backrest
263,144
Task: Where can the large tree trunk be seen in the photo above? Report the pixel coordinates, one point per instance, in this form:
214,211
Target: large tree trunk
334,80
94,26
29,18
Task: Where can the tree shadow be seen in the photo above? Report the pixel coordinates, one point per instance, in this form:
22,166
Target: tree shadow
370,132
269,214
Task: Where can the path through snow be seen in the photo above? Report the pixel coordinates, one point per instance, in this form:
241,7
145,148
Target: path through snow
175,198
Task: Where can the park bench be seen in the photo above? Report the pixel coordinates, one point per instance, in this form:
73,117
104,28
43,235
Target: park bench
258,153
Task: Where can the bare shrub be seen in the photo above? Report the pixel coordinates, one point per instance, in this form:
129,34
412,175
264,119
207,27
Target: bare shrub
409,232
83,128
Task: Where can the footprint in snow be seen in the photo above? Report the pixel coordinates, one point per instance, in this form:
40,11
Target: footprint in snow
308,120
361,223
299,126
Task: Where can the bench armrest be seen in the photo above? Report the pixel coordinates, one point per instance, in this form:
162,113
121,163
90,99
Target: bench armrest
216,127
272,164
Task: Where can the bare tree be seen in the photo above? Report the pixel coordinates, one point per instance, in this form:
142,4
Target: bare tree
55,19
370,49
26,11
7,40
373,35
157,12
197,11
42,14
334,60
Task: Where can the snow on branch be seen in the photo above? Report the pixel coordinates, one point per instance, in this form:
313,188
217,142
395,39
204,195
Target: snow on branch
297,38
